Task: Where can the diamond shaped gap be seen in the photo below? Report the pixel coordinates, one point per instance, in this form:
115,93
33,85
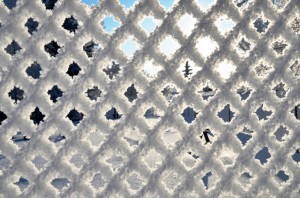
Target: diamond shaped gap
110,24
225,69
149,24
224,24
206,4
90,3
127,3
187,23
166,4
189,114
169,46
129,46
189,68
206,46
226,114
151,69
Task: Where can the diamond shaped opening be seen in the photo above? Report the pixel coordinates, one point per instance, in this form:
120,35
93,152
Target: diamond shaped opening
110,24
151,113
170,138
189,114
244,136
31,25
150,69
55,93
244,92
73,69
70,24
225,69
262,114
153,159
295,25
281,132
127,3
169,46
135,182
75,116
36,116
60,183
296,156
131,93
282,176
16,94
263,155
169,92
39,162
262,69
226,114
3,117
207,92
19,137
10,4
113,70
133,138
129,46
94,93
148,24
224,25
78,160
166,4
90,3
295,68
206,4
205,136
52,48
22,183
280,91
56,138
279,47
205,179
113,114
98,181
13,48
49,4
90,48
187,23
34,70
189,68
296,111
261,25
206,46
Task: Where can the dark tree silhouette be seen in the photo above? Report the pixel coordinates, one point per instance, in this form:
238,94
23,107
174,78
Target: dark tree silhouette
187,70
36,116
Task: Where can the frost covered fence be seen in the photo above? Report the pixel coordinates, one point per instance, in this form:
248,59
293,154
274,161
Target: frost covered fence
149,99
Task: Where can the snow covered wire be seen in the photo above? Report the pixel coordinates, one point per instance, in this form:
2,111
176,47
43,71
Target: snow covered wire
78,117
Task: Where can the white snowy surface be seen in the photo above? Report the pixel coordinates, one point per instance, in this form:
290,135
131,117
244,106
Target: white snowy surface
136,156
